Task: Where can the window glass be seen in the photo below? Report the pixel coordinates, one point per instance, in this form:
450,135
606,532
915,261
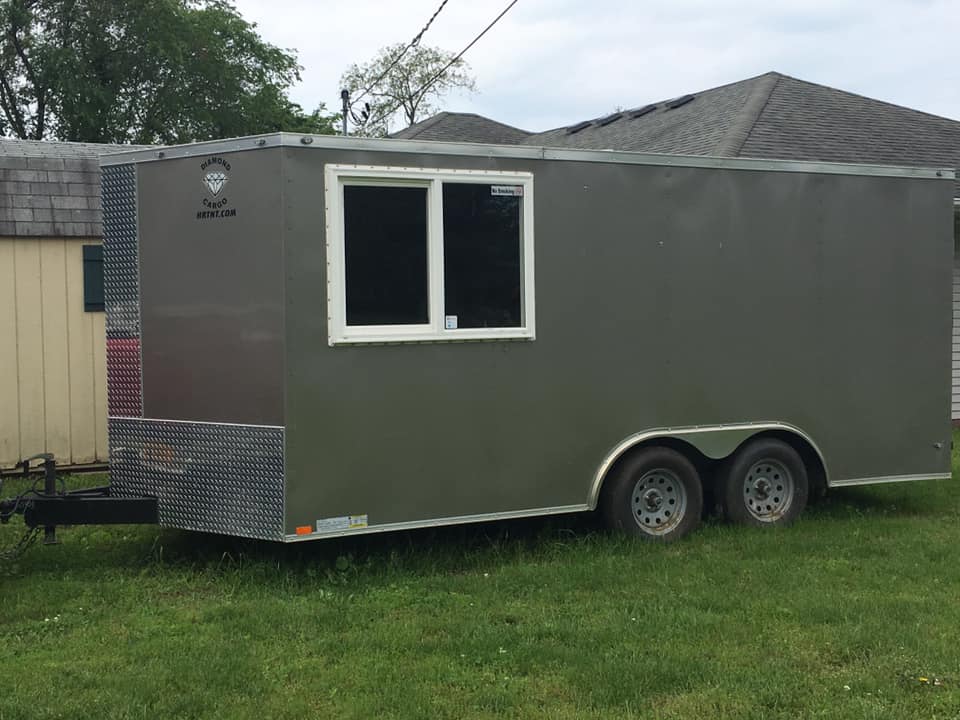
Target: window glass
385,253
481,255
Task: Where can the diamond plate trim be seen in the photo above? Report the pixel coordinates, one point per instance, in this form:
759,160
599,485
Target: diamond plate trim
121,281
210,477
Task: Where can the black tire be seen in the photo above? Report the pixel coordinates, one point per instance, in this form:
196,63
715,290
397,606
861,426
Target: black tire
654,494
764,484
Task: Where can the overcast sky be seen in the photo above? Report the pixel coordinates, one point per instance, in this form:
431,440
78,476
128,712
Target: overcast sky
553,62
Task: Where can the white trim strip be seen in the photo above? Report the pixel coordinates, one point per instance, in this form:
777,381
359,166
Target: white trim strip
889,479
440,522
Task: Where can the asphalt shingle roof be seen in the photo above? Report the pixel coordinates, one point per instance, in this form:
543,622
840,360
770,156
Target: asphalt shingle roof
769,116
695,128
463,127
51,189
805,121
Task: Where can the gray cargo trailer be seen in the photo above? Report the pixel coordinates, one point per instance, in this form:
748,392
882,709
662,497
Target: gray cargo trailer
316,336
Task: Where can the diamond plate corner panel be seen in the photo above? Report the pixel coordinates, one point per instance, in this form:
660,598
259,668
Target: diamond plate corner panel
210,477
121,282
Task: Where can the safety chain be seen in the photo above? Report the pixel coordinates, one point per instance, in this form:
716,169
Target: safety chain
17,550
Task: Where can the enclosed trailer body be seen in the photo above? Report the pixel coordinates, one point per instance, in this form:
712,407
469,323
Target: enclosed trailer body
316,336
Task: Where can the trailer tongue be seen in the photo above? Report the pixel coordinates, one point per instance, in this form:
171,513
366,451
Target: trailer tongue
49,507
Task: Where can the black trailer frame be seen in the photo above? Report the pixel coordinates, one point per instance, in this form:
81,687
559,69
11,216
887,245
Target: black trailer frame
50,507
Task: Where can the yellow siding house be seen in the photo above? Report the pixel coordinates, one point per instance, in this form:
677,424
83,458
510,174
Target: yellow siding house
53,395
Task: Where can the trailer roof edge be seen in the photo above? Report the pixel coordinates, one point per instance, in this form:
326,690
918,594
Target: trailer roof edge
528,152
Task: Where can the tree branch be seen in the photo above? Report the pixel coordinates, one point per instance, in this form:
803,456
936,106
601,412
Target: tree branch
39,89
8,98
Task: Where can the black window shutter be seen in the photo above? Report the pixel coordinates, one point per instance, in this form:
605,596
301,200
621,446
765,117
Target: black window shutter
92,278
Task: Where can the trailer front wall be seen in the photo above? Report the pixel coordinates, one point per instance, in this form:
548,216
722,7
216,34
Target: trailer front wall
195,339
211,290
665,296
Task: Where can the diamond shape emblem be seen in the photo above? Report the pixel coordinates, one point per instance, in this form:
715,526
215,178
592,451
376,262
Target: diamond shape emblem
215,182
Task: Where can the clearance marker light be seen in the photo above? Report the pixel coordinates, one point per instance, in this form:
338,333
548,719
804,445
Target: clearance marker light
304,529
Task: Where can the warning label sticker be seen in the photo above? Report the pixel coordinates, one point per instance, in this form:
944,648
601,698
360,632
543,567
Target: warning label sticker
344,522
512,190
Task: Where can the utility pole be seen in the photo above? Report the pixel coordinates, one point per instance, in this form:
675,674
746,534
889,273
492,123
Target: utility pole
345,96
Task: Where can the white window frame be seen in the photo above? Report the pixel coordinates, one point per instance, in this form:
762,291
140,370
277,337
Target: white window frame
338,176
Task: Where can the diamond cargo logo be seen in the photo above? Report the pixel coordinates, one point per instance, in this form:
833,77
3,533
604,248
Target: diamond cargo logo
215,182
214,175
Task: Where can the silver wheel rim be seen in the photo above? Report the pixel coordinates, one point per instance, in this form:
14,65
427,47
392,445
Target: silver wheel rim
658,501
768,490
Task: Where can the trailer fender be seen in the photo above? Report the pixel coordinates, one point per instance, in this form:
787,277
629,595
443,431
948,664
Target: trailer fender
714,441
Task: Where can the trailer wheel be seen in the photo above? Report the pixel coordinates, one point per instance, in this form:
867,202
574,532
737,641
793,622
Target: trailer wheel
654,494
764,484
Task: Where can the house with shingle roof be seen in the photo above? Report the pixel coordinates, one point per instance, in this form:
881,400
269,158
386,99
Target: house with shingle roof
463,127
52,332
768,116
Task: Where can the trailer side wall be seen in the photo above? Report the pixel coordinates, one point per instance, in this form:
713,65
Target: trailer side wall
665,296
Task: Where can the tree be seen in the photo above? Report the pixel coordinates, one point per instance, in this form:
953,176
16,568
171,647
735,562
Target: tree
400,80
142,71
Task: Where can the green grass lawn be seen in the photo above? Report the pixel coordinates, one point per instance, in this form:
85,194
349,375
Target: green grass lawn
854,612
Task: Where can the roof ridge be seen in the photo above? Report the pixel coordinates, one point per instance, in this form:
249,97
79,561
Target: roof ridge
732,141
761,76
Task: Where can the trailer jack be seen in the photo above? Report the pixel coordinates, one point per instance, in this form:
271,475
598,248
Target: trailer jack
50,507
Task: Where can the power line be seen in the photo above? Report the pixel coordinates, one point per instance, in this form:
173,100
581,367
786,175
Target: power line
426,86
426,27
413,43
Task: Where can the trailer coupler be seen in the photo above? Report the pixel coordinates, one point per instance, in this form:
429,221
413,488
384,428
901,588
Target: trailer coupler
90,506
